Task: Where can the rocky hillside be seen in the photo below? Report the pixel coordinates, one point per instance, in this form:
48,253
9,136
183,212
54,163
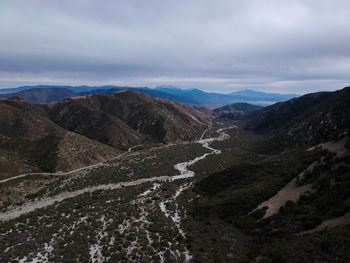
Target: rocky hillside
128,117
311,118
30,141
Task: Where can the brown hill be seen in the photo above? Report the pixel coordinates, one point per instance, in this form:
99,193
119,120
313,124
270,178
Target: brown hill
81,130
128,117
82,115
30,141
311,118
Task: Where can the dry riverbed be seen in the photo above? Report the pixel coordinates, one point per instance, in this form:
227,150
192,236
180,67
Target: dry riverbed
128,209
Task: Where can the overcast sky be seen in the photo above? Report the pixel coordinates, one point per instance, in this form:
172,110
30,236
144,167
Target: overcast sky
220,46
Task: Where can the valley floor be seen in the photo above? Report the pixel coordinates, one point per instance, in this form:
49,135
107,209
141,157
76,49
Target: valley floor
222,198
133,208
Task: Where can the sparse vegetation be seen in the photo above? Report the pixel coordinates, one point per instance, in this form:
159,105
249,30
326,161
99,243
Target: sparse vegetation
90,215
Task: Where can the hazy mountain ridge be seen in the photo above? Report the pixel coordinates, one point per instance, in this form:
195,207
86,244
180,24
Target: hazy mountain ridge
249,93
40,95
37,94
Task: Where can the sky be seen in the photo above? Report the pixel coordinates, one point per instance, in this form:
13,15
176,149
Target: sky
283,46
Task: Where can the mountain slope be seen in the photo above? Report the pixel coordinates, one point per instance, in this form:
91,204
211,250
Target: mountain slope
293,204
83,116
311,118
162,119
128,118
30,141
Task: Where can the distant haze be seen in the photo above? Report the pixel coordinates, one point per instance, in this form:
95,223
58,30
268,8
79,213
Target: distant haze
220,46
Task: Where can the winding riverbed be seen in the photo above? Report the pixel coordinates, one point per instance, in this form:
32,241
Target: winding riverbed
182,168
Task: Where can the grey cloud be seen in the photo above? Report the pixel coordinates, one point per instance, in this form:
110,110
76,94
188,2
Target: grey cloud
214,45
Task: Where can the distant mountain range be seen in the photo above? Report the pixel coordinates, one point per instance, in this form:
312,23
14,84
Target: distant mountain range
263,96
41,95
47,93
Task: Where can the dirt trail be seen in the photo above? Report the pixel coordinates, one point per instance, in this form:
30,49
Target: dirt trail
69,172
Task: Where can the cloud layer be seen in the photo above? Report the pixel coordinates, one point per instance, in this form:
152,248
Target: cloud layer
286,46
